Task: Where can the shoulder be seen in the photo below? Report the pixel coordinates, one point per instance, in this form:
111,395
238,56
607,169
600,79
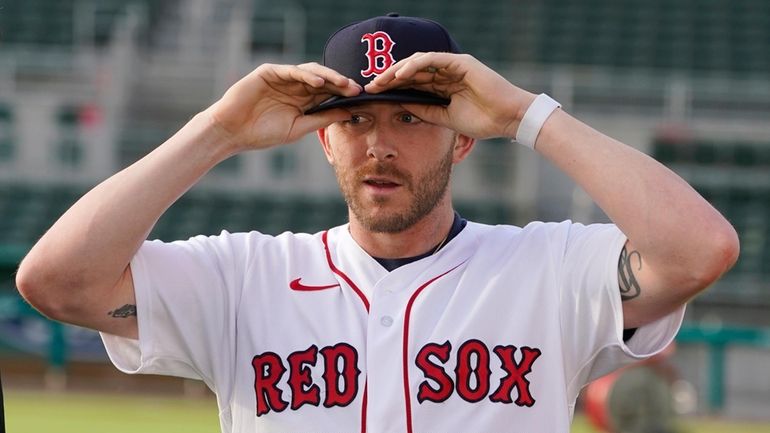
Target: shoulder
253,243
567,229
533,230
543,236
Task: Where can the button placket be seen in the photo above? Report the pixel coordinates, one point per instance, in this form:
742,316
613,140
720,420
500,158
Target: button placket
383,347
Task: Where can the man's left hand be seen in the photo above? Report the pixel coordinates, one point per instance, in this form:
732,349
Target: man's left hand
484,104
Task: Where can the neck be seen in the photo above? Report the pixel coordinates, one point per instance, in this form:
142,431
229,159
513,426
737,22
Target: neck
418,239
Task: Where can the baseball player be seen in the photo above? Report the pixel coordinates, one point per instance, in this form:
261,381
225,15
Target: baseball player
408,318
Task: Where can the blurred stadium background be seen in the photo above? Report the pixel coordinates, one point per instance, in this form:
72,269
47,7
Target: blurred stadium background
89,86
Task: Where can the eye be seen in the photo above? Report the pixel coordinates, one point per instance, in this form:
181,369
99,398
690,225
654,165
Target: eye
409,118
356,119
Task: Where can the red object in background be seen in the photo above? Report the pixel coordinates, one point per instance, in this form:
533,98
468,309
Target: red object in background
646,385
595,401
89,116
673,132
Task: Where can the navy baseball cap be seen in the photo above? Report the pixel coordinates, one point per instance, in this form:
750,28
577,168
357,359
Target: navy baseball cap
365,49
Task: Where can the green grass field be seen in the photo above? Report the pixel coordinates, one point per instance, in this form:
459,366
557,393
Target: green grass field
36,412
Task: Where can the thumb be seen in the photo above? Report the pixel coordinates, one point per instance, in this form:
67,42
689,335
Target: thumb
321,119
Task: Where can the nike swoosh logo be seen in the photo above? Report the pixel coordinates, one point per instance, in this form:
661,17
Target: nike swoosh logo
297,285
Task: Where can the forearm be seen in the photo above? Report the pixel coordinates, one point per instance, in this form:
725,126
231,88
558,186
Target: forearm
91,245
674,229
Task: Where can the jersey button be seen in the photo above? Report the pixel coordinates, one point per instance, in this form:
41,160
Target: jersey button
386,320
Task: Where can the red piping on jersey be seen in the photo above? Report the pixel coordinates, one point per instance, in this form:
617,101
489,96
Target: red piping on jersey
407,397
342,274
363,406
360,294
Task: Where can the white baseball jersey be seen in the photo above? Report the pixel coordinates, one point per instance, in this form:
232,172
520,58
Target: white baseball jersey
496,332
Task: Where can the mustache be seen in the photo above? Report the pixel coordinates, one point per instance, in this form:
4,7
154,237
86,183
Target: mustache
383,169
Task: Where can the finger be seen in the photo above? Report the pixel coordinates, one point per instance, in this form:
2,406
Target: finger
349,88
419,67
319,78
316,99
404,63
386,79
328,74
311,78
423,81
427,64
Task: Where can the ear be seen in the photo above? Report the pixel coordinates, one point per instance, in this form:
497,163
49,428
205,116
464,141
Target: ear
462,147
323,137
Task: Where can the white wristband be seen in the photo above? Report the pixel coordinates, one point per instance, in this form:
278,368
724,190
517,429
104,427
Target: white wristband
533,120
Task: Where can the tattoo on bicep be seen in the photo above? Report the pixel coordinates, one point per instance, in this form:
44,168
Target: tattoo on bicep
629,286
123,312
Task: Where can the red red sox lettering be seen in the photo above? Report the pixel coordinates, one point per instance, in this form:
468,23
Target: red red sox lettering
516,373
341,375
378,53
269,369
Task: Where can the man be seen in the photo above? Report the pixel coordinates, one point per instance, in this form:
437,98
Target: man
408,318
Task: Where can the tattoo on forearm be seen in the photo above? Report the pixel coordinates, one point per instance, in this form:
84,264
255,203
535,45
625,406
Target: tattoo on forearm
123,312
629,286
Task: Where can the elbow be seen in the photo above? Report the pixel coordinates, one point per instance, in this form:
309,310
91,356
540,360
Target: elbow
40,289
733,249
720,255
26,283
727,249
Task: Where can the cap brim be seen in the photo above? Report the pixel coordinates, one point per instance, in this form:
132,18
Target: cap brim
409,96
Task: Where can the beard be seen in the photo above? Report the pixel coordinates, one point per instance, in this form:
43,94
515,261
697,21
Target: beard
425,194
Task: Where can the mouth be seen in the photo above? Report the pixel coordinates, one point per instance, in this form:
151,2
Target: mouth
381,184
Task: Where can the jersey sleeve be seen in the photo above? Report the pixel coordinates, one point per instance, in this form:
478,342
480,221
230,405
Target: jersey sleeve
186,295
591,309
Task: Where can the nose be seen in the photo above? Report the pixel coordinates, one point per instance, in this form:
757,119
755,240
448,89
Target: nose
380,146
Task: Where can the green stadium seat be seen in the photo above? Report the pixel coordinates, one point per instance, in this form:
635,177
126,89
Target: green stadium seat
7,138
745,155
706,153
38,22
52,23
726,36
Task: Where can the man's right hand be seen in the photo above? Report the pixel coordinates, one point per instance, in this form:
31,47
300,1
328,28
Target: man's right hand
266,107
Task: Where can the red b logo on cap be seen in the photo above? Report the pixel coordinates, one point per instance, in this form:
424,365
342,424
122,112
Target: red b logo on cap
379,44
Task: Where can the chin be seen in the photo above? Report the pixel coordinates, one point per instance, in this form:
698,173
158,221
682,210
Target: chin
382,220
